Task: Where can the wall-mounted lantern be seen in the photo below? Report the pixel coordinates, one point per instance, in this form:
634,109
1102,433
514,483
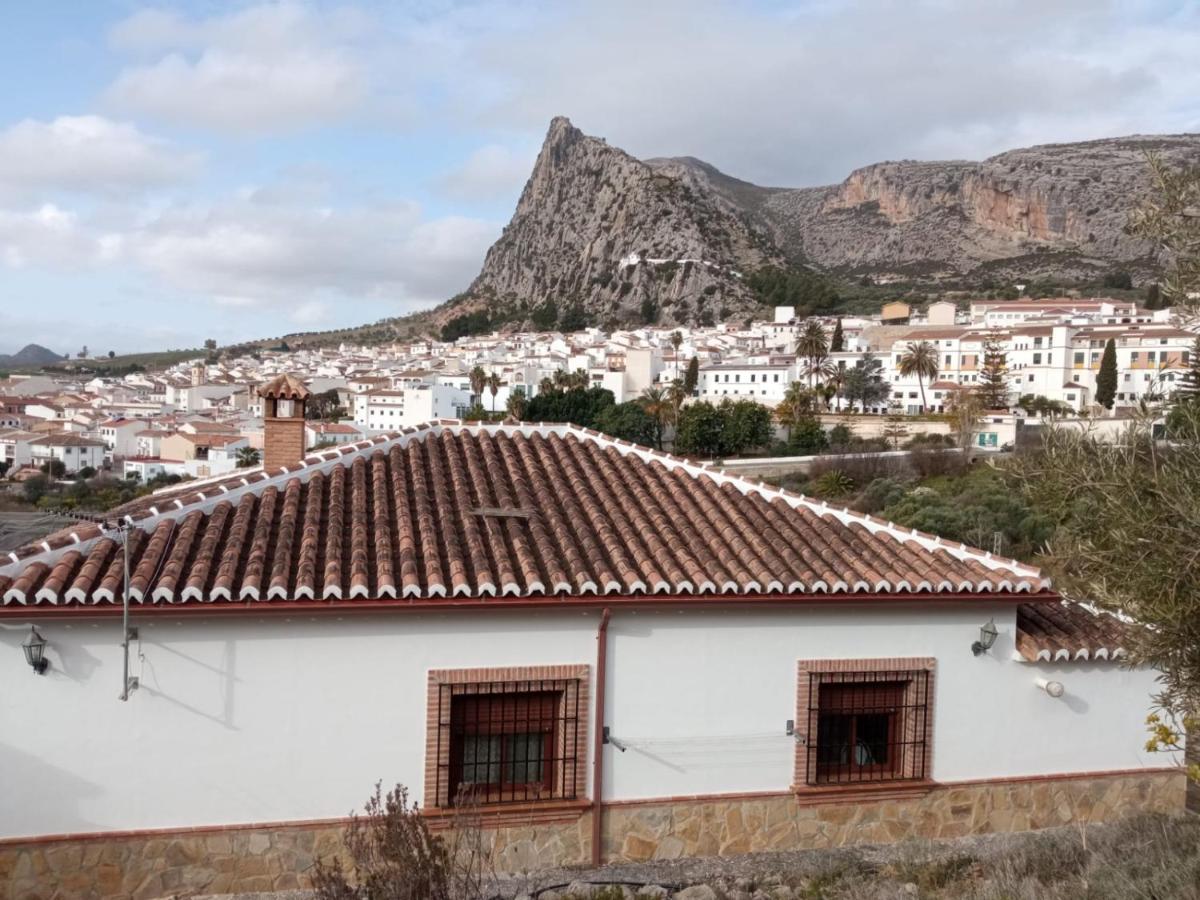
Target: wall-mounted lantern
35,651
987,637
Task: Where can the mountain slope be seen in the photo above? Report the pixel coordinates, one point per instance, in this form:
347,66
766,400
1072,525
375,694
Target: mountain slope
1058,209
29,355
619,240
599,237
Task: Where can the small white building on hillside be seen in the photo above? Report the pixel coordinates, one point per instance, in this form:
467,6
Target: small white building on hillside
72,450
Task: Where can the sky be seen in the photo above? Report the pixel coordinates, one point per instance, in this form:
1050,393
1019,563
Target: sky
182,171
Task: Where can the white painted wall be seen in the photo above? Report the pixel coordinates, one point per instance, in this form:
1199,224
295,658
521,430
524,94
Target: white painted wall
261,719
237,721
702,700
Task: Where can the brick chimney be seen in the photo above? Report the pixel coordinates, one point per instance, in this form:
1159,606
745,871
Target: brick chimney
284,399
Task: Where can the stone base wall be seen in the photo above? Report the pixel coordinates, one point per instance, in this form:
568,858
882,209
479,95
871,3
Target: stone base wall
165,865
727,827
212,861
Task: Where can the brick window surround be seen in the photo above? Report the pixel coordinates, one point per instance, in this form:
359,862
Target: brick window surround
572,749
806,717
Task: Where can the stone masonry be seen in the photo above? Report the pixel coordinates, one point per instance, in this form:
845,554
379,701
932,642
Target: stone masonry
244,859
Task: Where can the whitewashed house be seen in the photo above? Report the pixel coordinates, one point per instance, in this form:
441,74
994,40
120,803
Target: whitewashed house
622,653
322,433
72,450
120,435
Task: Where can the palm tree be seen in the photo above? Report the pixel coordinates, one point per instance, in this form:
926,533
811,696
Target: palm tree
812,345
676,342
819,370
247,457
493,385
920,359
676,394
566,381
798,403
478,381
654,400
517,405
837,380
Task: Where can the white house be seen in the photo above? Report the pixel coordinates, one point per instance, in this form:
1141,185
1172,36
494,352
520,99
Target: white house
625,656
331,433
386,410
764,382
72,450
120,435
14,448
146,468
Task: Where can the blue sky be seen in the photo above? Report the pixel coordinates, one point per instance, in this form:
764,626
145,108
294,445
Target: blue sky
172,172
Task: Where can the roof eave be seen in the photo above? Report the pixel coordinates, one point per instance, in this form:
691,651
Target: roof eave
562,601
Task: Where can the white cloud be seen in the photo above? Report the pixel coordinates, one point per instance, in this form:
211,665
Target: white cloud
261,248
49,236
803,94
311,312
244,251
267,68
491,171
88,153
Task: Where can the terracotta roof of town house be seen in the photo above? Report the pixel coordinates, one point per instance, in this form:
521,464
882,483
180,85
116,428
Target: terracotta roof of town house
209,440
1054,632
450,510
66,439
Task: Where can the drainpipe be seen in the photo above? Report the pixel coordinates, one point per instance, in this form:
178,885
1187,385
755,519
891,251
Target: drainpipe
598,734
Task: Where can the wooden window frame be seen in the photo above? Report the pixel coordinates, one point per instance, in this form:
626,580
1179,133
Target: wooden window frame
571,745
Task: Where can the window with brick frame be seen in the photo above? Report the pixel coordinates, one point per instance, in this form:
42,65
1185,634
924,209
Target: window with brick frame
507,735
862,722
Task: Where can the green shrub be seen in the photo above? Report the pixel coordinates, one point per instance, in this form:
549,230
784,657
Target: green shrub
834,483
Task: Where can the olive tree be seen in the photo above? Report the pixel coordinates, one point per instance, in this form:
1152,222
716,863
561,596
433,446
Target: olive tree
1127,512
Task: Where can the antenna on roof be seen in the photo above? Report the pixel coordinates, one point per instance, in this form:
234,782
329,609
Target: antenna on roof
108,523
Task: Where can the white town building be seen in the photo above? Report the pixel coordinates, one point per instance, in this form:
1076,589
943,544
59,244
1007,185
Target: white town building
72,450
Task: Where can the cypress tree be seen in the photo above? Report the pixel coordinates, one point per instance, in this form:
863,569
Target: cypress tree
838,342
1106,380
1153,297
692,376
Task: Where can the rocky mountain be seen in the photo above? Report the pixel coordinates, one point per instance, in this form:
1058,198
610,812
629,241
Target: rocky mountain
618,239
600,236
28,356
1057,210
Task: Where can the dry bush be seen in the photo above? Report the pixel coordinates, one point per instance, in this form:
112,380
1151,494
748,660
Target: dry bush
393,855
859,468
1151,857
928,463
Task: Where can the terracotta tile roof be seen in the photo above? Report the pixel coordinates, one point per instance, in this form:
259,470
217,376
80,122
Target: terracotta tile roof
1068,631
66,439
451,510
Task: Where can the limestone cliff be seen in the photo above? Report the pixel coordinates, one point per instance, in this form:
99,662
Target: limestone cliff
1056,210
619,239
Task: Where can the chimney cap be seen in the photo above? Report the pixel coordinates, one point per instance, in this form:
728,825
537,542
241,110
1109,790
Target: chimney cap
284,387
